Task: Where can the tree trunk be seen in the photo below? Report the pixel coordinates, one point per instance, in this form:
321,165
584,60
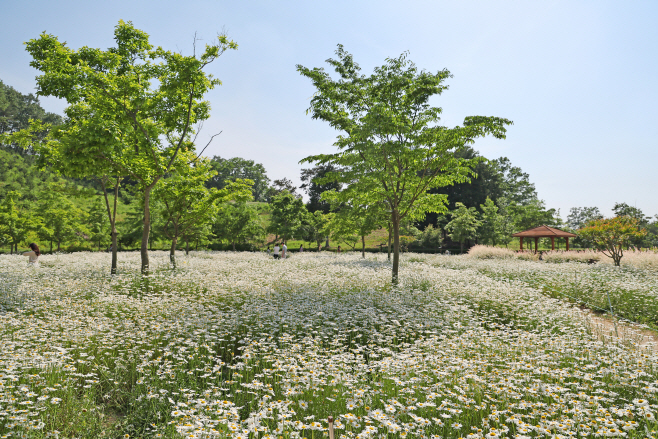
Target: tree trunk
146,231
58,245
395,220
187,247
11,248
233,245
363,247
390,233
196,247
461,248
172,252
51,246
326,244
113,270
112,215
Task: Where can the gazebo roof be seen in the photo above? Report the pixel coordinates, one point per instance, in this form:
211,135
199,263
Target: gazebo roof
544,232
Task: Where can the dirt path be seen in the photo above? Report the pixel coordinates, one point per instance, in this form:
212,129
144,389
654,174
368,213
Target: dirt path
628,333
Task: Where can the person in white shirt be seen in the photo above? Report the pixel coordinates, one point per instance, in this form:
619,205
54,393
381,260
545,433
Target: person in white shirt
276,251
33,254
301,248
284,251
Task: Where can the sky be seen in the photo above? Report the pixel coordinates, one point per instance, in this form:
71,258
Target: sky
577,78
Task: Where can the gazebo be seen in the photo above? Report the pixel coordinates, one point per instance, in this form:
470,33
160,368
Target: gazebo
544,232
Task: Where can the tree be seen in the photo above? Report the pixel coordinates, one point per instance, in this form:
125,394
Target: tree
100,229
312,184
491,224
144,100
355,221
288,212
391,148
15,224
280,186
16,111
186,202
579,216
464,224
611,235
316,227
623,209
506,224
236,167
237,223
61,220
532,214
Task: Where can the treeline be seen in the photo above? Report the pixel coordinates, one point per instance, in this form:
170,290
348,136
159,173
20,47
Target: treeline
67,214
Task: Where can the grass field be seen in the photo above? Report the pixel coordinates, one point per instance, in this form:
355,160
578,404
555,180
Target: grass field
240,345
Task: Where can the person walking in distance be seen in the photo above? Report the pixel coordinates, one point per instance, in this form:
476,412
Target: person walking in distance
33,254
301,248
284,250
276,251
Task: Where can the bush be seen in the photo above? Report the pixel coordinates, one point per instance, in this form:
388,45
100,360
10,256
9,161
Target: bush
488,252
429,238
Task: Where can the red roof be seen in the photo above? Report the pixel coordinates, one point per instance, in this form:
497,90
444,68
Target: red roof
545,232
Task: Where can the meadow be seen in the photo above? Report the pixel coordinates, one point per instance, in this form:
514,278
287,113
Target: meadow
239,345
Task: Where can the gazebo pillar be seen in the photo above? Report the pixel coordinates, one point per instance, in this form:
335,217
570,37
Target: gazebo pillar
567,238
521,241
536,241
552,242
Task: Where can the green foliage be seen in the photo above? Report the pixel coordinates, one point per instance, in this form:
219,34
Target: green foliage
532,214
391,149
316,227
231,169
185,203
99,224
16,111
491,226
612,235
62,221
15,222
315,182
133,105
288,213
237,223
464,224
430,238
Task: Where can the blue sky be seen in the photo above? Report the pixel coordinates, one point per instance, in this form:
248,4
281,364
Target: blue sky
578,78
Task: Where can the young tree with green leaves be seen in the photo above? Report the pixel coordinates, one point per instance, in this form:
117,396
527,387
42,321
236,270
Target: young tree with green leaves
236,167
316,227
141,102
491,224
100,229
186,202
391,147
237,223
611,235
464,224
61,220
15,223
288,213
